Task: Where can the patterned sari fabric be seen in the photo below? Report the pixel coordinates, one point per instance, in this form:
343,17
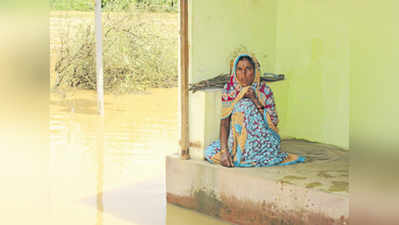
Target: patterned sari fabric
253,139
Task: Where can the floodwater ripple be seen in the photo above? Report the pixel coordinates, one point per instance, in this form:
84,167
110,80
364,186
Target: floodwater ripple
111,170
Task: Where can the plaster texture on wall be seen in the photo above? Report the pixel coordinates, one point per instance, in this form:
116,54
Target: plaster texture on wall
312,49
217,28
309,42
204,120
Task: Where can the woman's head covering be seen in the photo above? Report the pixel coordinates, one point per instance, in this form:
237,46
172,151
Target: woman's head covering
233,77
233,90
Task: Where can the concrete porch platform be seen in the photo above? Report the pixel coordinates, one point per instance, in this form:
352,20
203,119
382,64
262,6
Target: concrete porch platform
311,193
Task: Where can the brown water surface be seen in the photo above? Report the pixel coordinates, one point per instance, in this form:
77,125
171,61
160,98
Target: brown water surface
111,171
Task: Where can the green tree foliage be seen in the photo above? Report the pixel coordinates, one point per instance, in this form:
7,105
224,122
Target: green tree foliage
78,5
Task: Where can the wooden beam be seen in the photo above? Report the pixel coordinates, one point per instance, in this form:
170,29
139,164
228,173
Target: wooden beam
184,151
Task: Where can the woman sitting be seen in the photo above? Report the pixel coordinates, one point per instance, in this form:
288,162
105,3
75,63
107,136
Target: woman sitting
248,128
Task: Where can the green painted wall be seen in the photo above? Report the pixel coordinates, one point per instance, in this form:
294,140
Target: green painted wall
218,27
374,78
312,49
327,49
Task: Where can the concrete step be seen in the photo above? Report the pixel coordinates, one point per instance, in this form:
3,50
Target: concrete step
314,192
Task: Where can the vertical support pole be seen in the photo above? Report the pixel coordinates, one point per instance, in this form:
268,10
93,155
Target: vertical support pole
100,108
184,141
99,59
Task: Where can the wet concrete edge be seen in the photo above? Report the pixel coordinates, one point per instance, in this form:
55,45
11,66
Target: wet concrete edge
247,212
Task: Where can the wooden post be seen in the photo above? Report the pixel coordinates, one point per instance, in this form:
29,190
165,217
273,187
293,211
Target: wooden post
100,108
99,59
184,141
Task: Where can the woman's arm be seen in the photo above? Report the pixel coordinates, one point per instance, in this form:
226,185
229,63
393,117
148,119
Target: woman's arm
251,95
226,159
271,106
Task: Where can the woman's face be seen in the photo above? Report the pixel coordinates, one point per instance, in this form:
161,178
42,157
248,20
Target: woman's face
245,72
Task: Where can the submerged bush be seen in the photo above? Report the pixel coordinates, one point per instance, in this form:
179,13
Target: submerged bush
138,54
112,5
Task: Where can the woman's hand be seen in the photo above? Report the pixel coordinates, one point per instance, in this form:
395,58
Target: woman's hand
262,111
250,94
225,157
226,160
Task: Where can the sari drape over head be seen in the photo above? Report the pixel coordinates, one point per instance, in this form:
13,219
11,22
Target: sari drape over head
234,91
253,139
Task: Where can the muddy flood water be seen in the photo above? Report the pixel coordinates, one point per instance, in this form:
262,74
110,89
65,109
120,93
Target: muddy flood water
114,174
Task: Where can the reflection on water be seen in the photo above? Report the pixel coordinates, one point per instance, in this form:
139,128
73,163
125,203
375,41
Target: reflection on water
111,171
181,216
100,170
